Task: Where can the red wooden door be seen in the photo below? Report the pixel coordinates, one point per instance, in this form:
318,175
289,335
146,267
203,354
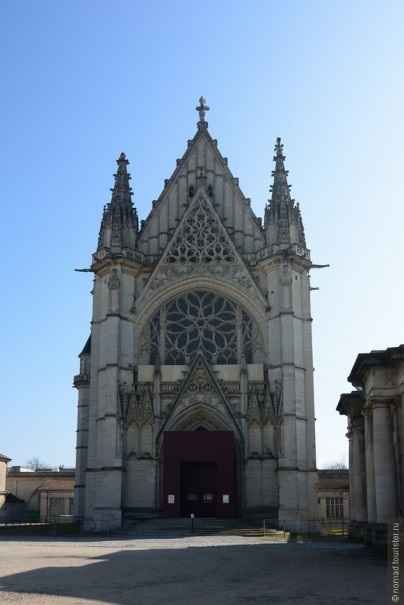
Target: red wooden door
199,489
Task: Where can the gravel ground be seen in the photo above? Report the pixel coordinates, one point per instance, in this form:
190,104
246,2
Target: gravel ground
197,570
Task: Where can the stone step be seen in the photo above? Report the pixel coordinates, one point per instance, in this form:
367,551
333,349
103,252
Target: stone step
201,526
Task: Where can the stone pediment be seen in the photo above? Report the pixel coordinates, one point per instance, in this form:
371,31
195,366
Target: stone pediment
200,399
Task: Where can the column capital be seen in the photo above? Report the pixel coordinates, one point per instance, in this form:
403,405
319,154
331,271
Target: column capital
350,433
367,411
381,402
357,425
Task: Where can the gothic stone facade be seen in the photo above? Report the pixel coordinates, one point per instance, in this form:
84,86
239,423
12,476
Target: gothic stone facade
196,385
376,438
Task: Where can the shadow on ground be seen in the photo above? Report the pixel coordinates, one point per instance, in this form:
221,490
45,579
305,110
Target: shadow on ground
88,572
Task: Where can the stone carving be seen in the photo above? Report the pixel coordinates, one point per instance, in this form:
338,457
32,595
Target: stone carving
116,235
201,245
277,406
133,307
286,275
254,412
202,109
234,272
144,409
200,392
114,281
277,398
201,238
135,407
260,408
123,405
200,381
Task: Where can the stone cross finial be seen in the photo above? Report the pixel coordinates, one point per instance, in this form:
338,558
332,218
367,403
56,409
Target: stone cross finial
203,108
279,147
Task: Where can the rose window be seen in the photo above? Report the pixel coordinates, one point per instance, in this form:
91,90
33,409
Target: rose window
200,322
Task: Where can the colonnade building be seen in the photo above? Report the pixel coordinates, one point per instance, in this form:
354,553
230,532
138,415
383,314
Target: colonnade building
376,443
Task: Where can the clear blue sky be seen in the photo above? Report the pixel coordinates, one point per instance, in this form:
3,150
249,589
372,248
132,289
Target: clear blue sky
84,80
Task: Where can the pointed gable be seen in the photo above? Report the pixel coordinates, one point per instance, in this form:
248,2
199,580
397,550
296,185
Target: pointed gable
200,247
201,165
200,399
200,237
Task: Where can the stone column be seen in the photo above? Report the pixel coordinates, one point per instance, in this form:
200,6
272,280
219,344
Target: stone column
352,500
244,401
359,495
156,388
385,480
351,405
370,467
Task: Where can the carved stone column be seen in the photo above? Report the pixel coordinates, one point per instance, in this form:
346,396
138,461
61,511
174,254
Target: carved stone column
370,468
351,405
352,502
156,388
385,480
359,487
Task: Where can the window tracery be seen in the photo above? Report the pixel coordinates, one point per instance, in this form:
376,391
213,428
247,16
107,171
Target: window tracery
201,238
203,322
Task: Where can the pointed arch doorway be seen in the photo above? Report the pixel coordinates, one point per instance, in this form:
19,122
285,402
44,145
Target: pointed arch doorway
199,474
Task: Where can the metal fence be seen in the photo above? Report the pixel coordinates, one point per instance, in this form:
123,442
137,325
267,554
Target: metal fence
60,525
337,526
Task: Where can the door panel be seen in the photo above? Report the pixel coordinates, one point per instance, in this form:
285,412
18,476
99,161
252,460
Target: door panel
199,489
199,474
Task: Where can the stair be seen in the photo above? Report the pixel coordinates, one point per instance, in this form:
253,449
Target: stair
180,527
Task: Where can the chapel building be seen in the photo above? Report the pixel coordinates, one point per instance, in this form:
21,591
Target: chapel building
196,384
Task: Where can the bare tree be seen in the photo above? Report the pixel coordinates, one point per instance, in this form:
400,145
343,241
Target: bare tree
36,463
336,465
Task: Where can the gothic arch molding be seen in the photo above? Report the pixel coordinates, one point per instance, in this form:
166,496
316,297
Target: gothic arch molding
200,416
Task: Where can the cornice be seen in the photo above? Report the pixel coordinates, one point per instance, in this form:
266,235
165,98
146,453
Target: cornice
101,266
366,362
274,255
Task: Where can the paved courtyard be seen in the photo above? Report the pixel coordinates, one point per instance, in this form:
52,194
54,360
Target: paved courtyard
193,569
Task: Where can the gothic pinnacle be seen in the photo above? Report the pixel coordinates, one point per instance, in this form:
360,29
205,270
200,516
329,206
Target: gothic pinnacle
280,187
282,216
121,192
119,223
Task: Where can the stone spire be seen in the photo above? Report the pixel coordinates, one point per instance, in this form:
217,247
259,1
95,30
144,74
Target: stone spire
283,221
119,223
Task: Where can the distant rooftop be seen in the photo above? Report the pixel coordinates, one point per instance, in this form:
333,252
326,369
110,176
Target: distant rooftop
41,471
57,485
